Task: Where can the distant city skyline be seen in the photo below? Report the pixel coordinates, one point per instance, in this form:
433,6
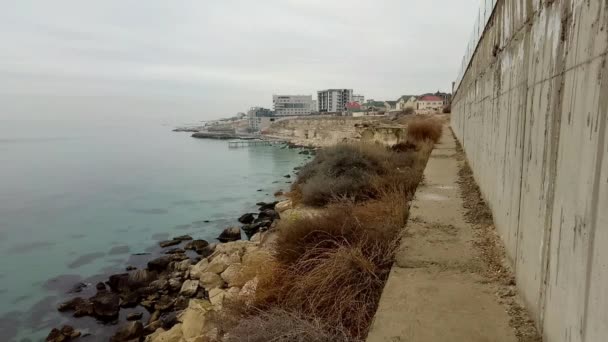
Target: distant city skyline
196,60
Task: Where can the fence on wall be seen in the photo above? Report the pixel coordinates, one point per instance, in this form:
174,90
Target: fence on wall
486,7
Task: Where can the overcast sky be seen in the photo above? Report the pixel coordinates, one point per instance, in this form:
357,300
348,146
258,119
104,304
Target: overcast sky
202,59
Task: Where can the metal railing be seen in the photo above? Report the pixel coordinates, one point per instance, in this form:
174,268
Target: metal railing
486,7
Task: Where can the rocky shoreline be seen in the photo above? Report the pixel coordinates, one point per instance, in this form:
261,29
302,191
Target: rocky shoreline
169,298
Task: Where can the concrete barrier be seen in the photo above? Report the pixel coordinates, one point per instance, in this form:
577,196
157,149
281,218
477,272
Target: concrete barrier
531,113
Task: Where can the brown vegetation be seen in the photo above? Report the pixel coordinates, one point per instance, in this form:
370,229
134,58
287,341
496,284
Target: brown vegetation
424,129
327,271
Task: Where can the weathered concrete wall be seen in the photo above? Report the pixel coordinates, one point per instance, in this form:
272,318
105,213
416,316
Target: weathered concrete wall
531,114
327,131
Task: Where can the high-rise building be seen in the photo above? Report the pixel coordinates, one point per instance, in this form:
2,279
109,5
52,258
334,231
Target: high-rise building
292,105
334,100
359,98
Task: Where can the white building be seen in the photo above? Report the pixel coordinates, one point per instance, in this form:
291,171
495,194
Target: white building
334,100
359,98
292,105
260,118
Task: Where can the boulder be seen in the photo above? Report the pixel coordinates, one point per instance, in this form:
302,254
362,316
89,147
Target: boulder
181,266
216,297
80,306
141,278
176,250
183,238
246,218
198,269
175,284
77,288
210,280
106,305
230,234
284,205
159,264
267,215
165,303
100,286
193,319
119,282
247,292
196,245
135,316
218,265
189,288
172,335
232,275
267,206
128,332
168,320
169,243
66,333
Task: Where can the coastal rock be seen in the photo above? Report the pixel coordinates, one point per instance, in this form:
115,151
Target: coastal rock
210,280
141,278
169,243
267,215
183,238
216,297
218,265
100,286
80,306
159,264
164,303
175,284
193,319
268,206
181,266
77,288
198,269
119,282
248,290
230,234
66,333
130,268
232,275
196,245
287,176
246,218
257,237
172,335
168,320
105,305
284,205
129,332
128,299
176,250
134,316
189,288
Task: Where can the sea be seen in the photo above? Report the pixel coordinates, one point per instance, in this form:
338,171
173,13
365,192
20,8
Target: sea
80,201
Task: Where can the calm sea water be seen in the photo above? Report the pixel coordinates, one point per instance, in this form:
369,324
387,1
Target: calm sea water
77,200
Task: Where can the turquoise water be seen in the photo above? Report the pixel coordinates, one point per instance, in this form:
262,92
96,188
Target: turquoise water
77,200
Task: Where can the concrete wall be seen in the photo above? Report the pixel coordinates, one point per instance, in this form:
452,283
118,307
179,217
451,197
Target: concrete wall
531,114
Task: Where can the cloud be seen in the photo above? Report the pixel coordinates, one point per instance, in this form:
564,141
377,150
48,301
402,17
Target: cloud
197,50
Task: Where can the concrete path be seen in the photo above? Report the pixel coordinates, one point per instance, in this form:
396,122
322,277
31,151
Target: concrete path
436,290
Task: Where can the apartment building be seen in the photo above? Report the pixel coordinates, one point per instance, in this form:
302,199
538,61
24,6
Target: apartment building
293,105
334,100
359,98
260,118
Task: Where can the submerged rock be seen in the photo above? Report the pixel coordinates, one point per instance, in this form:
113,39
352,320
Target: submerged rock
134,316
169,243
268,206
183,238
106,305
196,245
66,333
159,264
230,234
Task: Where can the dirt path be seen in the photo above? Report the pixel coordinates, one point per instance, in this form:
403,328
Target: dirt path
449,282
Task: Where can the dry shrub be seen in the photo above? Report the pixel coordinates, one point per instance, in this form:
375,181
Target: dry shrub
424,129
279,325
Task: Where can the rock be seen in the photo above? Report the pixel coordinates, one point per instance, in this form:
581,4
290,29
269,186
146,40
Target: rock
257,237
66,333
169,243
164,303
153,330
246,218
181,266
216,297
305,152
248,290
210,280
183,238
232,275
198,269
189,288
119,282
175,251
130,268
175,284
135,316
172,335
193,319
196,245
230,234
77,288
267,206
282,206
80,306
128,299
129,332
106,305
218,265
232,293
287,176
278,194
168,320
159,264
182,302
141,278
268,215
100,286
155,316
159,285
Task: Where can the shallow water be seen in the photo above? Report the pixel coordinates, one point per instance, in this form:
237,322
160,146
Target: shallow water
78,200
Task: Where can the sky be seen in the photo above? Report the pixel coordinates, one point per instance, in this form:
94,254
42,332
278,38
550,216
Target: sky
184,60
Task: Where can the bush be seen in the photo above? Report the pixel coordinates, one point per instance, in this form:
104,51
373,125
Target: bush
408,111
424,129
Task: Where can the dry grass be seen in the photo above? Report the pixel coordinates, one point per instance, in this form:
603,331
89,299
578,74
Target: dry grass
424,129
279,325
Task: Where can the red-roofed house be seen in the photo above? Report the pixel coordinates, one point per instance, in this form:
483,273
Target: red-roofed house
429,103
353,105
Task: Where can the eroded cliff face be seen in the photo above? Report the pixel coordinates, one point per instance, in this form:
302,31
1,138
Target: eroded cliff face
327,131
